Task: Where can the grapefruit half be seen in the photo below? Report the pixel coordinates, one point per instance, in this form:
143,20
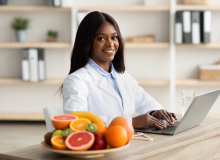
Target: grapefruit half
62,121
80,140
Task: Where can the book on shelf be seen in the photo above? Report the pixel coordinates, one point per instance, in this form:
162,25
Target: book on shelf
25,65
66,3
33,65
186,27
41,65
193,27
56,3
196,27
59,3
179,28
206,17
48,3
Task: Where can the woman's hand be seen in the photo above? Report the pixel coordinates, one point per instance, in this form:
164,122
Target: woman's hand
145,120
164,115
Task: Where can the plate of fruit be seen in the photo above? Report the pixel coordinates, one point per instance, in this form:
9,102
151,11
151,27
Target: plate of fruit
83,134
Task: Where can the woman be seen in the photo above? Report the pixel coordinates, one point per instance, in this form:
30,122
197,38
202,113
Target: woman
98,82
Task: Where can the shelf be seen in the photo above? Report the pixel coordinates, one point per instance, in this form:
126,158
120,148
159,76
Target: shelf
68,45
152,82
123,8
59,81
128,45
141,82
32,8
16,116
212,45
196,82
198,7
156,45
35,45
50,81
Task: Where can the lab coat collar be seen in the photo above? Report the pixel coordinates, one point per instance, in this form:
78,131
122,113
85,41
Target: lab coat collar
95,74
94,65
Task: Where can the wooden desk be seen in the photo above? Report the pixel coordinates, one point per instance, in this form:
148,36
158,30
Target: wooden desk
202,142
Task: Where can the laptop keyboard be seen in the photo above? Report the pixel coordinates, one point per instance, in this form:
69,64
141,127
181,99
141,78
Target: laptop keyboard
169,129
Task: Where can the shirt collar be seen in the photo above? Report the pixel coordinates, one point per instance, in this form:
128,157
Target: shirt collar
100,70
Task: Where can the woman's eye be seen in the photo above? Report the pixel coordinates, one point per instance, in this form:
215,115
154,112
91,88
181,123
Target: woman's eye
100,39
115,37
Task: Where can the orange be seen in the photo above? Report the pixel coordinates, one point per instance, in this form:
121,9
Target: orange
126,124
58,142
116,136
79,124
101,128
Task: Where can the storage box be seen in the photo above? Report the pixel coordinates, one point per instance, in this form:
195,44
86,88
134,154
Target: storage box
210,72
197,2
141,39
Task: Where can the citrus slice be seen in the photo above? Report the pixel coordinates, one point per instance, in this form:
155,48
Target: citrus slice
80,140
79,124
58,142
62,121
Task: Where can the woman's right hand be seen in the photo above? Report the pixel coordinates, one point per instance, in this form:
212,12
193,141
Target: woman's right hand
146,120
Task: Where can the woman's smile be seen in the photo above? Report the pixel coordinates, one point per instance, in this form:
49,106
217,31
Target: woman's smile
109,51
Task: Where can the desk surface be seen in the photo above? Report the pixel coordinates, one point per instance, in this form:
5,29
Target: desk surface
194,141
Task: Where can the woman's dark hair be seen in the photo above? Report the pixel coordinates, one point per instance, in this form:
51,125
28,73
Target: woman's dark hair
86,33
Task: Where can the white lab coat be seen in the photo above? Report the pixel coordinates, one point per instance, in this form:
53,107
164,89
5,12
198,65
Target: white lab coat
87,90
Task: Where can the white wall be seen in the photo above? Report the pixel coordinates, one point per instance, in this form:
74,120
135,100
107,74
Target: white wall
140,63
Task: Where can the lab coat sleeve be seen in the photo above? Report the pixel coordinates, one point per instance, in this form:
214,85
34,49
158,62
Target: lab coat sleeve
75,93
144,103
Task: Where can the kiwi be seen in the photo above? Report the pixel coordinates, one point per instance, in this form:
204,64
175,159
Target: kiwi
91,127
47,137
66,132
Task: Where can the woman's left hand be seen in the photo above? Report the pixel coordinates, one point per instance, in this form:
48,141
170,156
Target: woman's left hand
164,115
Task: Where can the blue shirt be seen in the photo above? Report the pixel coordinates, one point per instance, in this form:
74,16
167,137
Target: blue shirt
109,76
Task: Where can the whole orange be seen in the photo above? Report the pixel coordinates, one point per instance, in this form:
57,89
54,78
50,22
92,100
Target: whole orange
101,128
116,136
126,124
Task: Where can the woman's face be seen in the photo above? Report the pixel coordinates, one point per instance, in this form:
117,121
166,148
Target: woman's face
105,44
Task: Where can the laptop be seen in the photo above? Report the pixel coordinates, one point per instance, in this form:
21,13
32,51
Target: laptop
193,117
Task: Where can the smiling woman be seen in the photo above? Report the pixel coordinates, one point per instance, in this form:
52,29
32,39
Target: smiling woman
98,82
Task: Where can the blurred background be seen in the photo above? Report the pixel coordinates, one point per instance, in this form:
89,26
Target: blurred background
36,39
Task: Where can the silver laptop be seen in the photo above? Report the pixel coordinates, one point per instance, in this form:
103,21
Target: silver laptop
193,117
